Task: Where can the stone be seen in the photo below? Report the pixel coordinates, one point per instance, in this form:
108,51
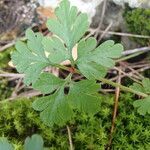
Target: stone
134,3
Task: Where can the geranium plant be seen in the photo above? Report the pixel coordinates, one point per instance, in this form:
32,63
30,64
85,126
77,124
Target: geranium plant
92,62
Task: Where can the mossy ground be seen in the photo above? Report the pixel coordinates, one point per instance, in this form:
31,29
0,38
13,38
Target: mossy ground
18,120
5,86
132,131
138,22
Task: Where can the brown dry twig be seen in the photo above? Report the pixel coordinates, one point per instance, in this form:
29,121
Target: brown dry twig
102,18
117,93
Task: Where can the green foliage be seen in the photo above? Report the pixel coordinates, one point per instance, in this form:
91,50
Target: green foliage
93,62
87,99
5,145
132,131
29,59
143,105
39,52
47,83
69,25
5,89
18,120
5,57
55,108
34,143
138,22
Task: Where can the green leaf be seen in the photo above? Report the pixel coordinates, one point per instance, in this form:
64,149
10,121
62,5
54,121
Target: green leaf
34,143
56,49
143,105
34,42
5,145
144,87
86,46
30,58
92,70
93,62
84,97
55,109
69,25
137,87
105,53
47,83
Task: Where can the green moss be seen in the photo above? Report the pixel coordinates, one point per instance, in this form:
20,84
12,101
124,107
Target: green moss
18,120
138,22
5,89
132,130
5,57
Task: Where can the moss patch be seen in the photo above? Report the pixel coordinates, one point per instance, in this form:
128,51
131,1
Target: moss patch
138,22
18,120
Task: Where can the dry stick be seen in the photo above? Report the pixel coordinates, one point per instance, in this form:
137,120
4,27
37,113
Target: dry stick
104,33
128,57
70,139
16,75
117,93
97,31
133,70
7,46
28,94
144,68
12,43
140,65
14,93
102,18
121,34
136,50
129,74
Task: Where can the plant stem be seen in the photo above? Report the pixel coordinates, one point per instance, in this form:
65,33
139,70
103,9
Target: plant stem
124,88
104,80
61,67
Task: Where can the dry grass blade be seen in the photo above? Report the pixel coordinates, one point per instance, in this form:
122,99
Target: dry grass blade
70,138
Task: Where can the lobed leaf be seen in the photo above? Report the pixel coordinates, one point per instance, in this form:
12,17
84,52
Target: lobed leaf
55,109
34,143
30,58
144,87
56,49
85,47
105,53
47,83
5,145
92,70
83,96
93,62
143,105
69,25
